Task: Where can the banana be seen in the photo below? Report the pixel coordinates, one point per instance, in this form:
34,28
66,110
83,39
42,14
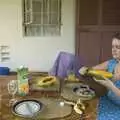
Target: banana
79,107
46,81
78,110
99,73
72,78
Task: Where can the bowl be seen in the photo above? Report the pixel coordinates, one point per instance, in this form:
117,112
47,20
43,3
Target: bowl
84,92
4,70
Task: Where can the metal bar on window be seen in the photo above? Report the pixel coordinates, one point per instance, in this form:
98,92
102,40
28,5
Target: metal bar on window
42,16
31,11
48,10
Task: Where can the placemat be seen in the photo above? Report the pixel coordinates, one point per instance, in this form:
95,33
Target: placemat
67,92
35,87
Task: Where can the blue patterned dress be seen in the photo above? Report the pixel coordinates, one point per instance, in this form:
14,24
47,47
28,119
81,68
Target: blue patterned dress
109,104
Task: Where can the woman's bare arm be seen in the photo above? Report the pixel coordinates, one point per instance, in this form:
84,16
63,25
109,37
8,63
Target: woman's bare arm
115,90
102,66
108,83
115,78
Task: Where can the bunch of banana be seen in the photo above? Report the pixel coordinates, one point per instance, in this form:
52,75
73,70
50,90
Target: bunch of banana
71,77
46,81
79,107
99,74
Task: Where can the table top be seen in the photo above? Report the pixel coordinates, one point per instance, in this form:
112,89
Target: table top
6,113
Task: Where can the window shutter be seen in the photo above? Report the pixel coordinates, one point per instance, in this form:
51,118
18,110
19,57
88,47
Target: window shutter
111,12
88,12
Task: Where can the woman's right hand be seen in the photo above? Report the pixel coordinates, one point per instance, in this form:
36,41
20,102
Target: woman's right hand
110,85
105,82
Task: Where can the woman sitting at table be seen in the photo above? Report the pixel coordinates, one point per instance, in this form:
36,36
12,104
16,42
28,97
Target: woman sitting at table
109,104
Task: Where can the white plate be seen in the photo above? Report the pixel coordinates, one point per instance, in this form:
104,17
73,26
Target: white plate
27,108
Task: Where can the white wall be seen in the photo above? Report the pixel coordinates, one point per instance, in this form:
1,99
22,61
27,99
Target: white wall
37,53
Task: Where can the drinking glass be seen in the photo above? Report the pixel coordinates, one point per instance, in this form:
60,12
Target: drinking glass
12,89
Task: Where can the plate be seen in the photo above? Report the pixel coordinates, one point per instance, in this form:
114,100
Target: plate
27,108
84,91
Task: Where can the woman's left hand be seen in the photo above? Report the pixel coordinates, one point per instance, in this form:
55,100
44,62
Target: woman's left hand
105,82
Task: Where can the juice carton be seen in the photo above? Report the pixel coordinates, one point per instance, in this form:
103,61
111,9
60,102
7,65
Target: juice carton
22,77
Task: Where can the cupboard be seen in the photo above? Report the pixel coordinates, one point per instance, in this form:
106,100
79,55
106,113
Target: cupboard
96,23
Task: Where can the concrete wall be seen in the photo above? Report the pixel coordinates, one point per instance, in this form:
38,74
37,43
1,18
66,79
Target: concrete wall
38,53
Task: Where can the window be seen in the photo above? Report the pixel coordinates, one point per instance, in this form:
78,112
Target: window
42,17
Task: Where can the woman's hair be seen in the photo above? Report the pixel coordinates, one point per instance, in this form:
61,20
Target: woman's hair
116,35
